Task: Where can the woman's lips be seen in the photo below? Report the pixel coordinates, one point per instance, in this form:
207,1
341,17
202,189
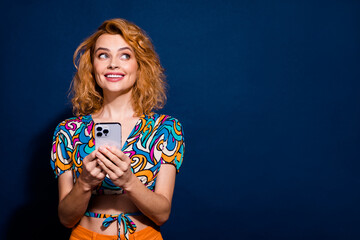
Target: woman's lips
114,77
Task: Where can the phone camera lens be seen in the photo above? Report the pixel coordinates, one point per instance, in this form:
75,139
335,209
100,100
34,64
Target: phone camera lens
105,132
98,129
99,134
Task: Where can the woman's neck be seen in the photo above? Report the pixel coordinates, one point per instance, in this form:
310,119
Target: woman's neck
116,108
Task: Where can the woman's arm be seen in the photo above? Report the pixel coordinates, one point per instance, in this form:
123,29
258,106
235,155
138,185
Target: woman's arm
74,197
155,205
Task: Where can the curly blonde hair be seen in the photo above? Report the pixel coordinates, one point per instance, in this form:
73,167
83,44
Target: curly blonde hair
149,90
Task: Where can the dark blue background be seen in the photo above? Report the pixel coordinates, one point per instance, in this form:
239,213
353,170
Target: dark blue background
267,92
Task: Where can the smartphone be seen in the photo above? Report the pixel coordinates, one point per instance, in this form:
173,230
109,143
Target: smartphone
107,134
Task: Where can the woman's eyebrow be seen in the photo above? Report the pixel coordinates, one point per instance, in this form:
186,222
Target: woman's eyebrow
124,48
108,50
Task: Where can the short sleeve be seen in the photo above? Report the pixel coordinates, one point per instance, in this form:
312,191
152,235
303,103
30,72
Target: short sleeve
174,147
61,150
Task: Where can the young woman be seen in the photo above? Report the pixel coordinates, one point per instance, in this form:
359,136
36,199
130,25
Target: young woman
112,193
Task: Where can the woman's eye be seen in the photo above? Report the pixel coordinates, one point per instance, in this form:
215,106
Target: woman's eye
125,56
103,56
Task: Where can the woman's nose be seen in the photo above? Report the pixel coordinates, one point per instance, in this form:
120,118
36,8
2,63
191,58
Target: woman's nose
113,64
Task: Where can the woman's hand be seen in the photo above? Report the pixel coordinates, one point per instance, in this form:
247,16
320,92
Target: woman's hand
155,205
74,197
116,164
92,174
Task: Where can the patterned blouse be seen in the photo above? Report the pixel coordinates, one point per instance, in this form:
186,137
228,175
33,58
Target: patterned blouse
153,141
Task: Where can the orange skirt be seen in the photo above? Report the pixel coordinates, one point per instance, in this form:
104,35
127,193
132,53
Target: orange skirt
81,233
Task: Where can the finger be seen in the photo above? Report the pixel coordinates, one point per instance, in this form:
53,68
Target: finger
122,156
97,172
110,168
101,175
91,164
109,164
116,162
109,155
110,173
91,157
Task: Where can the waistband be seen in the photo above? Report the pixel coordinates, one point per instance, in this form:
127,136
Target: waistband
150,232
129,225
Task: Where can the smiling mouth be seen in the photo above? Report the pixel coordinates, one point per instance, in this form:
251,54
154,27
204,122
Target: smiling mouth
114,77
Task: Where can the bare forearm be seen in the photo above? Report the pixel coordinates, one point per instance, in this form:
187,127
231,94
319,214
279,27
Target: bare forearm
155,206
73,206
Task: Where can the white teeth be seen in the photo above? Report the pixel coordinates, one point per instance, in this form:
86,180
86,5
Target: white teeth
114,75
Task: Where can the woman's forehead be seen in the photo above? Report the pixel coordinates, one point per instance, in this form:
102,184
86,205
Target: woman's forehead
111,41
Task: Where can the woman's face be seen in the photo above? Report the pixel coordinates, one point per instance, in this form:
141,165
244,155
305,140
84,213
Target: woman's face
115,65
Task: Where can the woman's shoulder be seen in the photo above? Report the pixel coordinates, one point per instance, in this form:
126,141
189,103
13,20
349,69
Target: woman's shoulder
162,118
164,122
74,122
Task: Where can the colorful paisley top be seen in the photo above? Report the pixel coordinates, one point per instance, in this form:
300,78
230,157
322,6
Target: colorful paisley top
154,141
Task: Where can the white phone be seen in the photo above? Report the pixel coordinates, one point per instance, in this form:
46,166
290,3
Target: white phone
108,134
